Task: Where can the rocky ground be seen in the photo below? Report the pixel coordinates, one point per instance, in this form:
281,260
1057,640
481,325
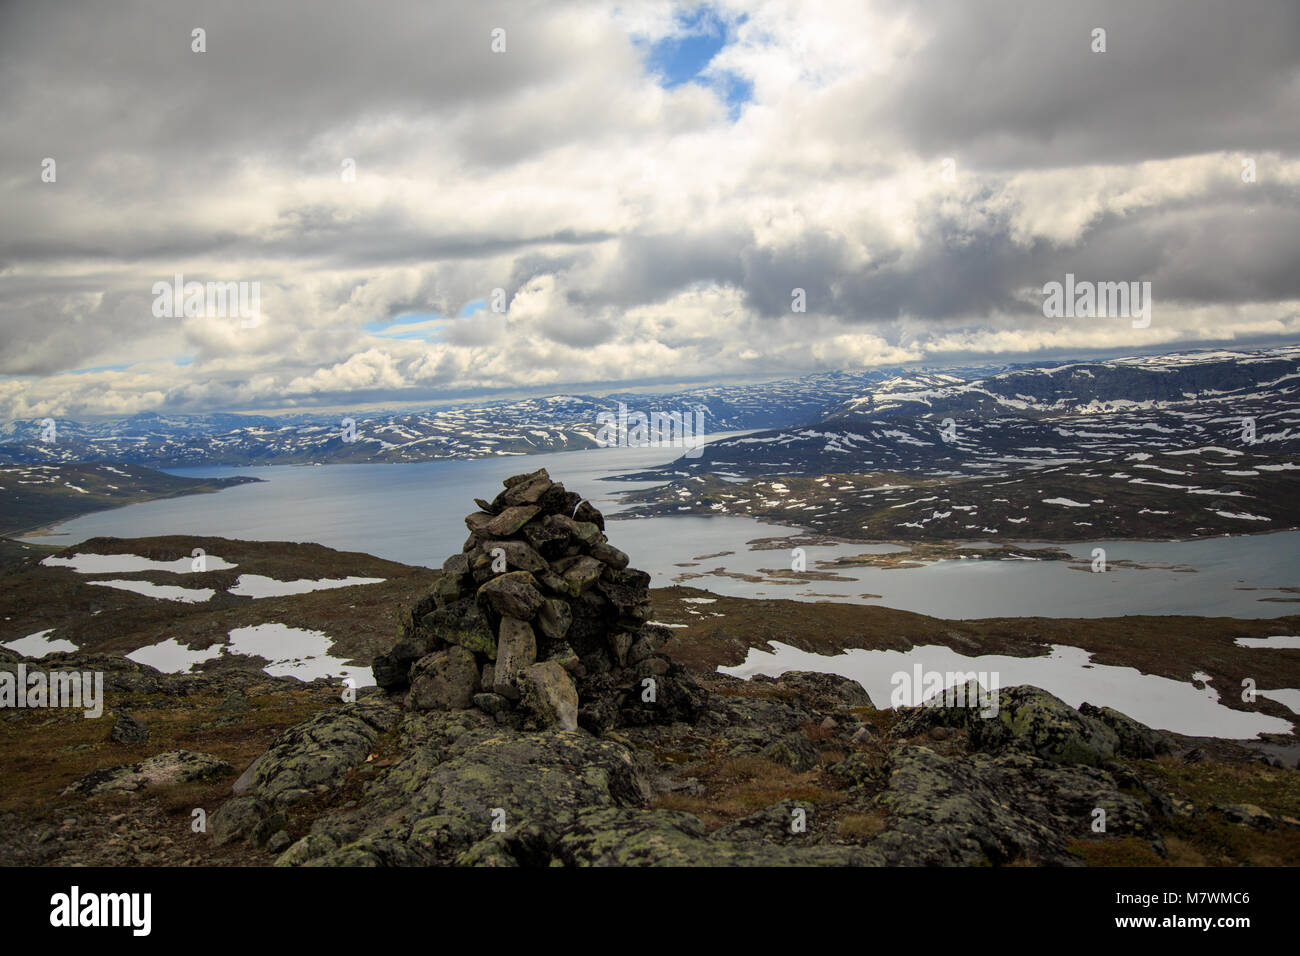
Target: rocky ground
511,726
798,770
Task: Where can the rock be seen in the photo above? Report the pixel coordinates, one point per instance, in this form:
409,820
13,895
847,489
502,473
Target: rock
610,555
174,766
981,809
1135,739
621,837
1027,719
548,694
586,512
510,520
513,595
794,751
517,554
553,619
579,573
317,752
620,642
526,491
465,625
278,841
236,818
774,824
825,692
625,589
516,652
447,589
456,565
1247,814
310,847
128,730
478,522
547,537
538,569
455,767
563,655
393,670
492,704
268,827
444,680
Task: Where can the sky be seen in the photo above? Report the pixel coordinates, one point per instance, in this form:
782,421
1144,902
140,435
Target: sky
438,200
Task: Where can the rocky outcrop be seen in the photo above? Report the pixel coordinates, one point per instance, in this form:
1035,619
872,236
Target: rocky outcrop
548,616
174,766
1031,720
458,787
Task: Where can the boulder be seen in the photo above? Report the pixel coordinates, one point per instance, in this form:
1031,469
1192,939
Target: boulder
128,730
548,695
464,624
444,680
512,595
509,521
516,651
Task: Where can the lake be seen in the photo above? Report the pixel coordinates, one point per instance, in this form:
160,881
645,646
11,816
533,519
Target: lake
414,513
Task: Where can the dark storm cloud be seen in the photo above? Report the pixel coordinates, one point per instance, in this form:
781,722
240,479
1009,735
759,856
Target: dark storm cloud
1008,84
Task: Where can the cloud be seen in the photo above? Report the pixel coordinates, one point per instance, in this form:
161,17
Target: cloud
920,170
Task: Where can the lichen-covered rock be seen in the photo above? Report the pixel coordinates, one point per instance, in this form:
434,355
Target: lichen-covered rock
553,619
981,809
317,752
1135,739
510,520
548,695
516,652
794,751
444,680
236,818
617,837
515,554
513,594
174,766
465,625
1026,718
127,730
456,769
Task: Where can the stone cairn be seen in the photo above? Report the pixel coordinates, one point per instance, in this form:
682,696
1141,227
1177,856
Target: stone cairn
539,622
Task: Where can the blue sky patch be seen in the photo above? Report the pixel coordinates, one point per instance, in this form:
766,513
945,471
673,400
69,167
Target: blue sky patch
101,368
682,58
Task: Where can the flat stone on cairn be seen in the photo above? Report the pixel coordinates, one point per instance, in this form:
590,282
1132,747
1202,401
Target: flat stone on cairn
539,622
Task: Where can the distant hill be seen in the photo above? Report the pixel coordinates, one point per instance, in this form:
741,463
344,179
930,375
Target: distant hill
562,422
35,496
939,424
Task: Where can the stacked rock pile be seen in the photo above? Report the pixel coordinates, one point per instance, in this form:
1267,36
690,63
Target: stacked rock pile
540,622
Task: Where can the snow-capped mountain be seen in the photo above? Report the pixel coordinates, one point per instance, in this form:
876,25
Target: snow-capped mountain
942,424
518,427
